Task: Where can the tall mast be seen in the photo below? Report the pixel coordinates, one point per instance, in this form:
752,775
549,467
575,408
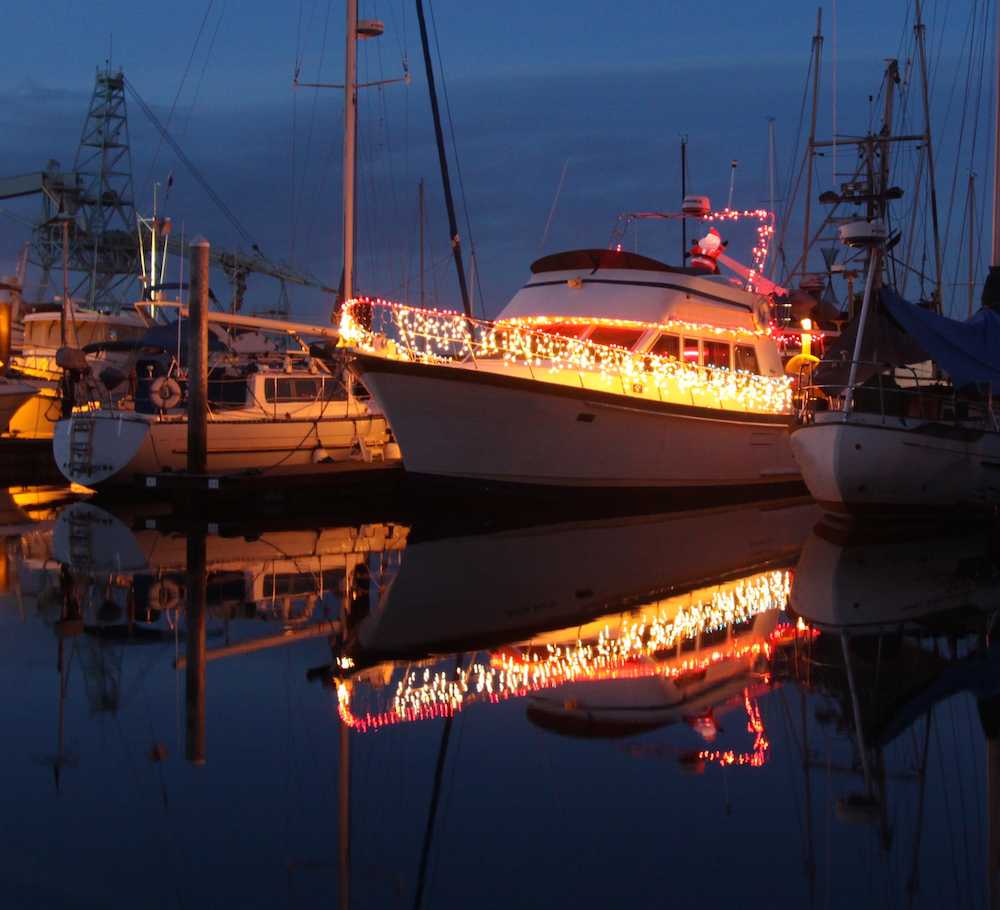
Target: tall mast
995,256
684,224
919,28
452,222
817,46
421,207
350,130
991,289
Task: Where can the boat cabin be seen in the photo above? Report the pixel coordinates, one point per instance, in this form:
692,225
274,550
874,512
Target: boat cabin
611,297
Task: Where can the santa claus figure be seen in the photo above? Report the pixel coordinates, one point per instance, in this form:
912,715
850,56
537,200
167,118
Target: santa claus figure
705,251
705,724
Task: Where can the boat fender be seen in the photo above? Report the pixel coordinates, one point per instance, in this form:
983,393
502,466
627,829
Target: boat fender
165,393
321,456
164,595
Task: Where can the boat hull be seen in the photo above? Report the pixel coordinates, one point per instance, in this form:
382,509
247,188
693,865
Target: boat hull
862,468
120,446
13,396
487,428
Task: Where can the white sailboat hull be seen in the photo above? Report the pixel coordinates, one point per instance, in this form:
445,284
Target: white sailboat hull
856,467
111,448
489,428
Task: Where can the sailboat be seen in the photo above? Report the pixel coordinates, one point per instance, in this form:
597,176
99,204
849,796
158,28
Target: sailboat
879,433
278,408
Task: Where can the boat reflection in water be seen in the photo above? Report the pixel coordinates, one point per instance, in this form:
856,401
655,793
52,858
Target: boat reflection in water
481,664
609,627
905,617
137,566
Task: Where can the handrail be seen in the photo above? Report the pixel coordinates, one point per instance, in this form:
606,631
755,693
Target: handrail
892,391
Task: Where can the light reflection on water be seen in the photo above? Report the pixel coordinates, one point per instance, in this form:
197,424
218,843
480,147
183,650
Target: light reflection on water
686,708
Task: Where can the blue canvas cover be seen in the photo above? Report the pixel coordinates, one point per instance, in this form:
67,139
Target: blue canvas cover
968,351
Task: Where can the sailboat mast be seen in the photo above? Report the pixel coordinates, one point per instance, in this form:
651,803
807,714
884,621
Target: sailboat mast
817,46
995,255
684,224
449,202
919,28
350,141
421,207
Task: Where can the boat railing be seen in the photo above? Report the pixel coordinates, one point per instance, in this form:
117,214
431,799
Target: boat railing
890,392
400,332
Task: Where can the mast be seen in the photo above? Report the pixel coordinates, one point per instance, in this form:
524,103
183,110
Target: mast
817,46
456,247
991,290
772,167
350,139
972,241
421,207
684,224
366,28
919,28
995,255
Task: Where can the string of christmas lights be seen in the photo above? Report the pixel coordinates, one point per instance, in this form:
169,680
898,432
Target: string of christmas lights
637,650
400,332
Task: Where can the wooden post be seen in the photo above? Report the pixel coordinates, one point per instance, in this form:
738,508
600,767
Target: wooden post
197,459
194,649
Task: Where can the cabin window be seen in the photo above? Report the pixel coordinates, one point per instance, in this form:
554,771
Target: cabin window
619,335
746,359
691,352
565,329
667,346
293,388
717,354
285,585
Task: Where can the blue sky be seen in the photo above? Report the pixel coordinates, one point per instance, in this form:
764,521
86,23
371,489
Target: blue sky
529,86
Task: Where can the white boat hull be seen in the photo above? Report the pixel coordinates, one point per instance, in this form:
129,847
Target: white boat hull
859,468
870,579
491,428
111,448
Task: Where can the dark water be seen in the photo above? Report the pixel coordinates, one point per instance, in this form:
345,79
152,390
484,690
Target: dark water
726,707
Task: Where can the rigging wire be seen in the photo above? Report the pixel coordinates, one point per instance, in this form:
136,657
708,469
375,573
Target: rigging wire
173,107
454,144
298,193
202,182
197,90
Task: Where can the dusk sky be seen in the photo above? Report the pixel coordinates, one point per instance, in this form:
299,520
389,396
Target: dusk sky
609,88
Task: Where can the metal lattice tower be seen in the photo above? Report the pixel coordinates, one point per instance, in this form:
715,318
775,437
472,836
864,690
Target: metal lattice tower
101,239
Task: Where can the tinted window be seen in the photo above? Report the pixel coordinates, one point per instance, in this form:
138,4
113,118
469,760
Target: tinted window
621,336
717,354
287,389
691,350
667,346
746,358
567,331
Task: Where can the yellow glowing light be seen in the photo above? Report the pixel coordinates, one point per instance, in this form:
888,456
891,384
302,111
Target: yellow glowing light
400,332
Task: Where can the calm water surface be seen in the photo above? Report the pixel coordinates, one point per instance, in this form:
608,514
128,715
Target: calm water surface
728,707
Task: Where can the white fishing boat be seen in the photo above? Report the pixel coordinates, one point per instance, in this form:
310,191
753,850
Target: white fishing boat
270,410
607,370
